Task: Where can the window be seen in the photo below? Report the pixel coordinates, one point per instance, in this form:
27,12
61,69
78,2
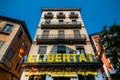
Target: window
1,43
7,29
60,21
61,34
45,34
80,49
76,34
42,50
61,49
72,13
47,21
20,34
60,13
10,54
49,13
74,21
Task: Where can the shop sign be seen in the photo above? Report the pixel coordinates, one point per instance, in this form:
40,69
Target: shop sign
61,58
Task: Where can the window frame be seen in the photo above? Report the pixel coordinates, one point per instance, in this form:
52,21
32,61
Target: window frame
81,49
49,13
72,13
74,21
59,49
45,47
61,13
60,21
9,53
6,32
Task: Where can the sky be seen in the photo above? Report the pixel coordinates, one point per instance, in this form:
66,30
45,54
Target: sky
95,13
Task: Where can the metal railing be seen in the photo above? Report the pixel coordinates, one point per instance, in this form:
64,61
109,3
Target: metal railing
46,14
66,36
73,15
61,23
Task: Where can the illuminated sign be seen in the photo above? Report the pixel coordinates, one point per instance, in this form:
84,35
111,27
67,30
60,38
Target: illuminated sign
60,58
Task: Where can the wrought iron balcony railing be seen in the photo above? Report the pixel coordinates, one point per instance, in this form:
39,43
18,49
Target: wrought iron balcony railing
60,16
60,25
75,15
48,16
61,39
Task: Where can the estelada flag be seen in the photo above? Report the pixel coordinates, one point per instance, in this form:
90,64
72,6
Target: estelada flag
21,52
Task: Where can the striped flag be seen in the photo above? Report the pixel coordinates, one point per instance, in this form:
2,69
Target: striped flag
21,52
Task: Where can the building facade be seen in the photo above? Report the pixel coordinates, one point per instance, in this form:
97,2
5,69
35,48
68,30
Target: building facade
107,70
61,49
13,34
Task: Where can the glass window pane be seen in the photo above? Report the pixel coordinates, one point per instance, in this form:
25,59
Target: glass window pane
42,50
74,21
61,34
76,34
10,54
7,28
61,49
80,49
60,21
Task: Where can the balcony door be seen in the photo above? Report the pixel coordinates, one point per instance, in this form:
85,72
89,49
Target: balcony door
61,49
45,34
80,50
47,21
76,34
61,34
42,50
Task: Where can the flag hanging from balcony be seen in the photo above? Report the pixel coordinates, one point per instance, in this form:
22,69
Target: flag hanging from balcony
21,51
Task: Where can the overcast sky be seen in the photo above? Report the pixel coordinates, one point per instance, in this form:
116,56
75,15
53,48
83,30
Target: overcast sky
95,13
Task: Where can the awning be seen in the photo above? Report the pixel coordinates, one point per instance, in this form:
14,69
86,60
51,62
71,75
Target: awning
88,73
62,74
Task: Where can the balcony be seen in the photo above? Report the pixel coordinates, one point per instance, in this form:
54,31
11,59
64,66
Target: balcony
73,15
64,39
60,16
95,64
48,15
61,25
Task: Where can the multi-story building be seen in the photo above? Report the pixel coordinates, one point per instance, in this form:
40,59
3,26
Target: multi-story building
13,36
61,49
107,70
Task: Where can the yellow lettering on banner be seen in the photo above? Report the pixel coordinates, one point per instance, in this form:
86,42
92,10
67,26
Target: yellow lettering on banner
30,58
38,58
90,57
45,57
50,58
58,58
66,58
74,57
82,58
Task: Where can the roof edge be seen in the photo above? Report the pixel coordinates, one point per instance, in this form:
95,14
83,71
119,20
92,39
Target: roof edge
61,9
